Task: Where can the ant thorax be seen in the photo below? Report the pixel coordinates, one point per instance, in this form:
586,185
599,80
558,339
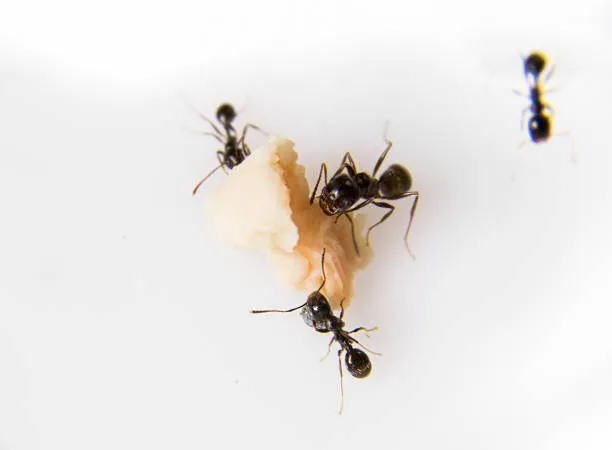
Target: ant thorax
233,154
367,184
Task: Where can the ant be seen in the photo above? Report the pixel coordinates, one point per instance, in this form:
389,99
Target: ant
236,149
341,194
317,313
540,123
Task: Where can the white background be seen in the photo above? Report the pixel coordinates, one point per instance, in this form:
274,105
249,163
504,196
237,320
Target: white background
124,323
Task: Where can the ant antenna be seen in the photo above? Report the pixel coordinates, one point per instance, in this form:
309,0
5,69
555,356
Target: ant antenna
386,130
202,116
322,270
366,330
244,104
260,311
382,157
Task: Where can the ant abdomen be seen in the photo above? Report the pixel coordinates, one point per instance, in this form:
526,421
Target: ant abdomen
539,128
394,181
534,64
358,363
226,113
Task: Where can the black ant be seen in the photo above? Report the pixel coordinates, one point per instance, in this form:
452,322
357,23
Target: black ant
317,313
236,149
540,123
341,194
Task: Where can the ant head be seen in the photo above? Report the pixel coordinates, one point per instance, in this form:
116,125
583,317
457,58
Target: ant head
396,180
358,363
317,312
539,128
339,195
534,64
226,113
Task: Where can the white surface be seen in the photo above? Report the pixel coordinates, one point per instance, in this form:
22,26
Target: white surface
123,322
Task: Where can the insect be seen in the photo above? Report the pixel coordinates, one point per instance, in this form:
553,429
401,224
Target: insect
349,190
317,313
540,122
235,149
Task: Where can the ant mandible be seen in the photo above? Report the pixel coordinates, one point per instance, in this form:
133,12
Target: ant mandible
341,194
540,123
235,149
317,313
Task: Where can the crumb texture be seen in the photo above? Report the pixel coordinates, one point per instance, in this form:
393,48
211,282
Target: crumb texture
264,205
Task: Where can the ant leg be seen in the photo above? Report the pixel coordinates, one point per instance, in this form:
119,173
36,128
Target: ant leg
385,217
550,73
202,116
244,131
549,90
416,196
212,124
382,157
359,206
215,135
221,159
574,152
367,330
347,163
260,311
322,270
341,382
197,186
550,110
328,349
523,114
342,308
350,219
521,94
352,339
321,171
